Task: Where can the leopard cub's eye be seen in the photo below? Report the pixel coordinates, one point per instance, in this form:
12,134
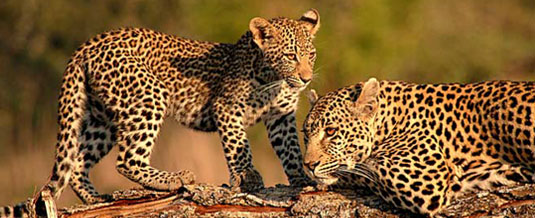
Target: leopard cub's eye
329,131
313,54
291,56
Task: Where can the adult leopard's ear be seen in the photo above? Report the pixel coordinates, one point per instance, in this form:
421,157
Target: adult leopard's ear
312,96
366,104
261,30
312,20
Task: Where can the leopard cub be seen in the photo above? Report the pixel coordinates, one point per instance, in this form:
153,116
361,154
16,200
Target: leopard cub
120,85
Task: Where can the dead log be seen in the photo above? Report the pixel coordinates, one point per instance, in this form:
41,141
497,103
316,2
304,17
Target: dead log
282,201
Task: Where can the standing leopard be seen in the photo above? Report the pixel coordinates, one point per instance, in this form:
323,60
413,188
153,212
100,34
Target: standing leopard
120,85
418,146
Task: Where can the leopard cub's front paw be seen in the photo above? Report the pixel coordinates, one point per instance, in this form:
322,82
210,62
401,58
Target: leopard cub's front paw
246,181
101,198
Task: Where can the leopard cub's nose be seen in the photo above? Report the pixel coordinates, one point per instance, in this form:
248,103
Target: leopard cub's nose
305,79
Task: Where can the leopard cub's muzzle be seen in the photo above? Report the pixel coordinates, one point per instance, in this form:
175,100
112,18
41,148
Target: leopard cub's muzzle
301,77
297,83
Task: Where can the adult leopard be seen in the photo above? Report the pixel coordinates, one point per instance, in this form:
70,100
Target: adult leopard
417,146
120,85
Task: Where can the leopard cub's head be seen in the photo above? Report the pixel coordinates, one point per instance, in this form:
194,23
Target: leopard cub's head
339,130
287,50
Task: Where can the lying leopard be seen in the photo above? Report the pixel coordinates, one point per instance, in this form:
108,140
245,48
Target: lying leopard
120,85
417,146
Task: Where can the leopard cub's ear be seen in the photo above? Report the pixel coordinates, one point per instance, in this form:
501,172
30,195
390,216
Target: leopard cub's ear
366,104
312,20
261,30
312,96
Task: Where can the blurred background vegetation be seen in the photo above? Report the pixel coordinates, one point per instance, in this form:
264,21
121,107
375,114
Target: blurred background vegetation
414,40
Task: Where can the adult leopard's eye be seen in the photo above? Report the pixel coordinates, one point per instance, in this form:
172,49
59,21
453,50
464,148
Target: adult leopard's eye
291,56
329,131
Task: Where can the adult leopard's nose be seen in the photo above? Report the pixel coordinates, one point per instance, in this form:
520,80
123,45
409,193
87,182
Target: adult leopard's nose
311,165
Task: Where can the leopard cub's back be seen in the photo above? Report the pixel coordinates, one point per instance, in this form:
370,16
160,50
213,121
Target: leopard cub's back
128,61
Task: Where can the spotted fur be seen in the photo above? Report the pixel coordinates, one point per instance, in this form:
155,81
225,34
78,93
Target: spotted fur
417,146
120,85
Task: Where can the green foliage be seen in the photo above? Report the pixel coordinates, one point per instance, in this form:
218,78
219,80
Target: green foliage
420,41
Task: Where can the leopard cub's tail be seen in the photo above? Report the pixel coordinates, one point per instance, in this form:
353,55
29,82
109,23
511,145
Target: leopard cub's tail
71,108
19,210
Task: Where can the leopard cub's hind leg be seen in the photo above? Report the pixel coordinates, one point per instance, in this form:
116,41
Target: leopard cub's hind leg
96,140
139,127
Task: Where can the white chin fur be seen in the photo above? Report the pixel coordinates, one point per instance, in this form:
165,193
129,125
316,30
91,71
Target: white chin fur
327,181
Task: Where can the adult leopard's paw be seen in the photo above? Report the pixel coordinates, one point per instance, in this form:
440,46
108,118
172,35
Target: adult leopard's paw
302,181
246,181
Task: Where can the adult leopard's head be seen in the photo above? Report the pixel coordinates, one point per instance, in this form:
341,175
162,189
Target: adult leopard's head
339,130
287,50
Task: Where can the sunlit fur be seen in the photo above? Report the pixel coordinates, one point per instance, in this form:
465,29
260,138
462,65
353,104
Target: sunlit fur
419,145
